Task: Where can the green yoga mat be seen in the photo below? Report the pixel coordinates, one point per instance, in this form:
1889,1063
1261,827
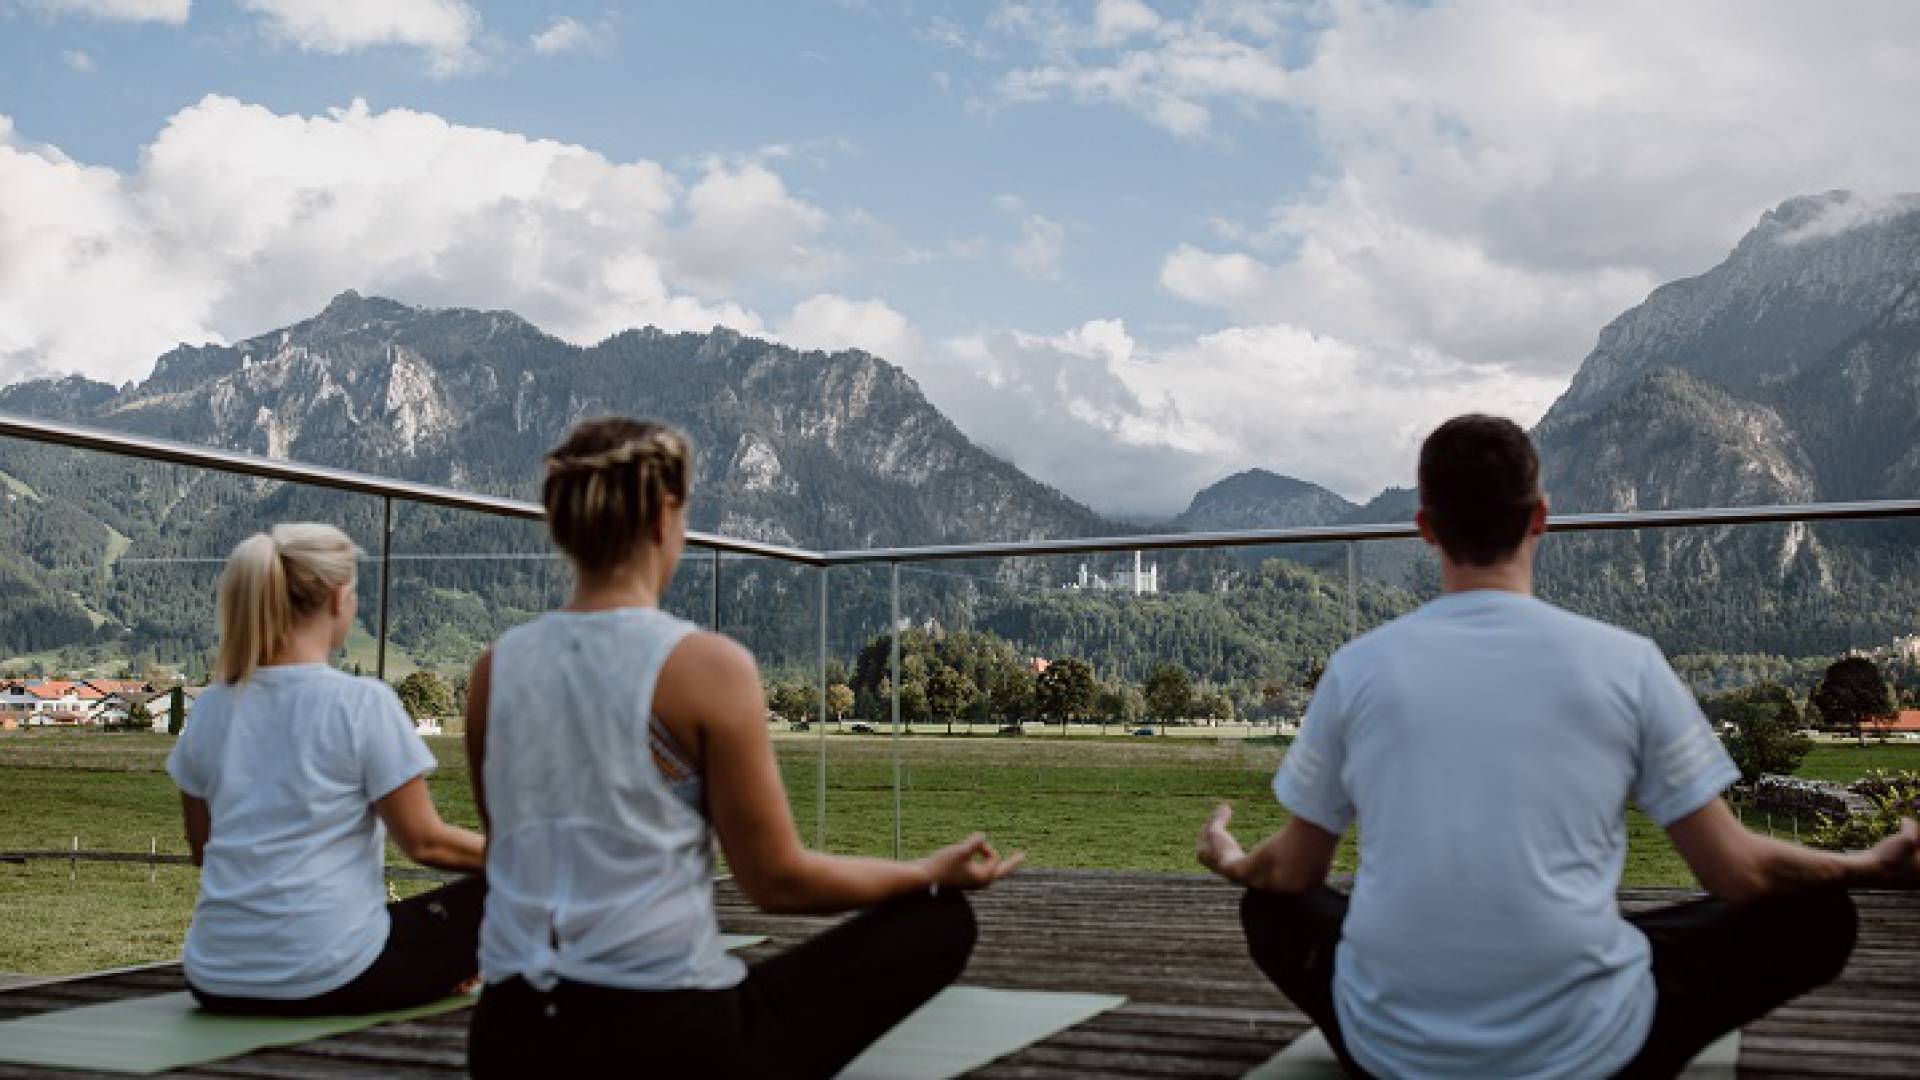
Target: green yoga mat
965,1027
148,1035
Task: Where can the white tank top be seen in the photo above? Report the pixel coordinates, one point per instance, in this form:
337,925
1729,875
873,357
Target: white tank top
596,872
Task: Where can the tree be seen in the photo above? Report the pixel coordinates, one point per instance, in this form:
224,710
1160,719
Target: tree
793,702
1010,694
1852,693
177,711
1765,737
840,701
139,717
1169,693
949,693
1120,704
1216,706
1066,690
425,696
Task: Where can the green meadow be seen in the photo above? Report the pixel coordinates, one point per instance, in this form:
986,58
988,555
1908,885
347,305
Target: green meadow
1111,803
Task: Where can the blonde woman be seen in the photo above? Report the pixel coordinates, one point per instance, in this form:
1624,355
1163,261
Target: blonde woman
291,775
609,742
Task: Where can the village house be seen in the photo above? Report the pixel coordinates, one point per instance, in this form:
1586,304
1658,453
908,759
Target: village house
26,703
61,703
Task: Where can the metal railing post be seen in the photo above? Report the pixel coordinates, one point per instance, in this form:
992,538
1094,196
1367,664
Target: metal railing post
1353,589
386,580
895,660
713,601
820,797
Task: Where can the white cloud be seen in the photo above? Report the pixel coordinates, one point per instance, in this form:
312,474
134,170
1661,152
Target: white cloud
77,60
167,11
1175,78
1042,243
830,322
1843,215
1115,21
741,216
444,30
566,34
239,219
1137,430
1497,180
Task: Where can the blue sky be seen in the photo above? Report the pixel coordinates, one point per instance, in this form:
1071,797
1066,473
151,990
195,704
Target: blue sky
1132,246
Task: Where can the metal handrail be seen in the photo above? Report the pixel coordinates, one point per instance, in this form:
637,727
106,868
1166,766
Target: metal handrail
178,453
148,448
1642,519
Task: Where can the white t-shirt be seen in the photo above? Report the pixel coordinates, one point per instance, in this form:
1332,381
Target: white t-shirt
1487,744
292,890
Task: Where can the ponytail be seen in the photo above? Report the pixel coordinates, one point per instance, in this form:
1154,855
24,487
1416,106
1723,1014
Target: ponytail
273,581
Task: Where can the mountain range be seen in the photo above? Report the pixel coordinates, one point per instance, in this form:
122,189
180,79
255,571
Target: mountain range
1790,372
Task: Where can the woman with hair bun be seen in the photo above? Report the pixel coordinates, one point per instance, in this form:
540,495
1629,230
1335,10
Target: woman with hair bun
609,743
291,775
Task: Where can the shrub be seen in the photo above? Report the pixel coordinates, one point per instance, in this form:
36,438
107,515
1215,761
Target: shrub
1890,796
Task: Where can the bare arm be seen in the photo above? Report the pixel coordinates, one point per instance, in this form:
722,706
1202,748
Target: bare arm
1291,861
199,825
427,840
711,687
1738,865
479,692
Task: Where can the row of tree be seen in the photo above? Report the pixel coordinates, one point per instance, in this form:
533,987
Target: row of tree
981,678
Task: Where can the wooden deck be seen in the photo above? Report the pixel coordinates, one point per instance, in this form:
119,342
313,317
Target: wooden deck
1171,944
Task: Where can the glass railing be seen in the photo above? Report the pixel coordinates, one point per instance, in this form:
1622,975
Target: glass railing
1087,701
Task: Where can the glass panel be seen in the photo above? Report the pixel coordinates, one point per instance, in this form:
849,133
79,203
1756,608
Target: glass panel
859,745
108,572
1037,713
773,608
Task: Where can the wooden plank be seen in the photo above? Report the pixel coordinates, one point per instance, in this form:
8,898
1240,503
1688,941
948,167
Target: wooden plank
1172,943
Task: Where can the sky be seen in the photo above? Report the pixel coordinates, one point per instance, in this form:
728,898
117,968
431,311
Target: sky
1133,246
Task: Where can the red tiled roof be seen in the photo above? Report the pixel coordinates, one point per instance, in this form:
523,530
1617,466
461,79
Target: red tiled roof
51,689
1906,720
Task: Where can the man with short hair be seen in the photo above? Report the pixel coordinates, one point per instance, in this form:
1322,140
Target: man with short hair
1486,745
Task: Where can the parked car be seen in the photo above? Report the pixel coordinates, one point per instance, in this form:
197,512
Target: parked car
1141,731
800,725
861,729
1013,729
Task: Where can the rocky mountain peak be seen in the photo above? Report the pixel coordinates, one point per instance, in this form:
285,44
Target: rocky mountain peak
1259,499
351,311
1814,272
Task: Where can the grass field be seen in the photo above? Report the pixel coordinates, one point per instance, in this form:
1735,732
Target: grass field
1081,802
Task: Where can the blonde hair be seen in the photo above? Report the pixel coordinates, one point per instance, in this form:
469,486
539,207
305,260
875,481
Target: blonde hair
607,485
272,582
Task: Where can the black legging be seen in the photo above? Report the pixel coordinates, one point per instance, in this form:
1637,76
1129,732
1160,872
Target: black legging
432,947
1716,967
804,1013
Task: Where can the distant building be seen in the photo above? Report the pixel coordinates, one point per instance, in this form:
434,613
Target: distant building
1905,723
61,703
1140,581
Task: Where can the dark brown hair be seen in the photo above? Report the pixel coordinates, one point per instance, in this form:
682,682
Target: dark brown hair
1479,483
608,483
